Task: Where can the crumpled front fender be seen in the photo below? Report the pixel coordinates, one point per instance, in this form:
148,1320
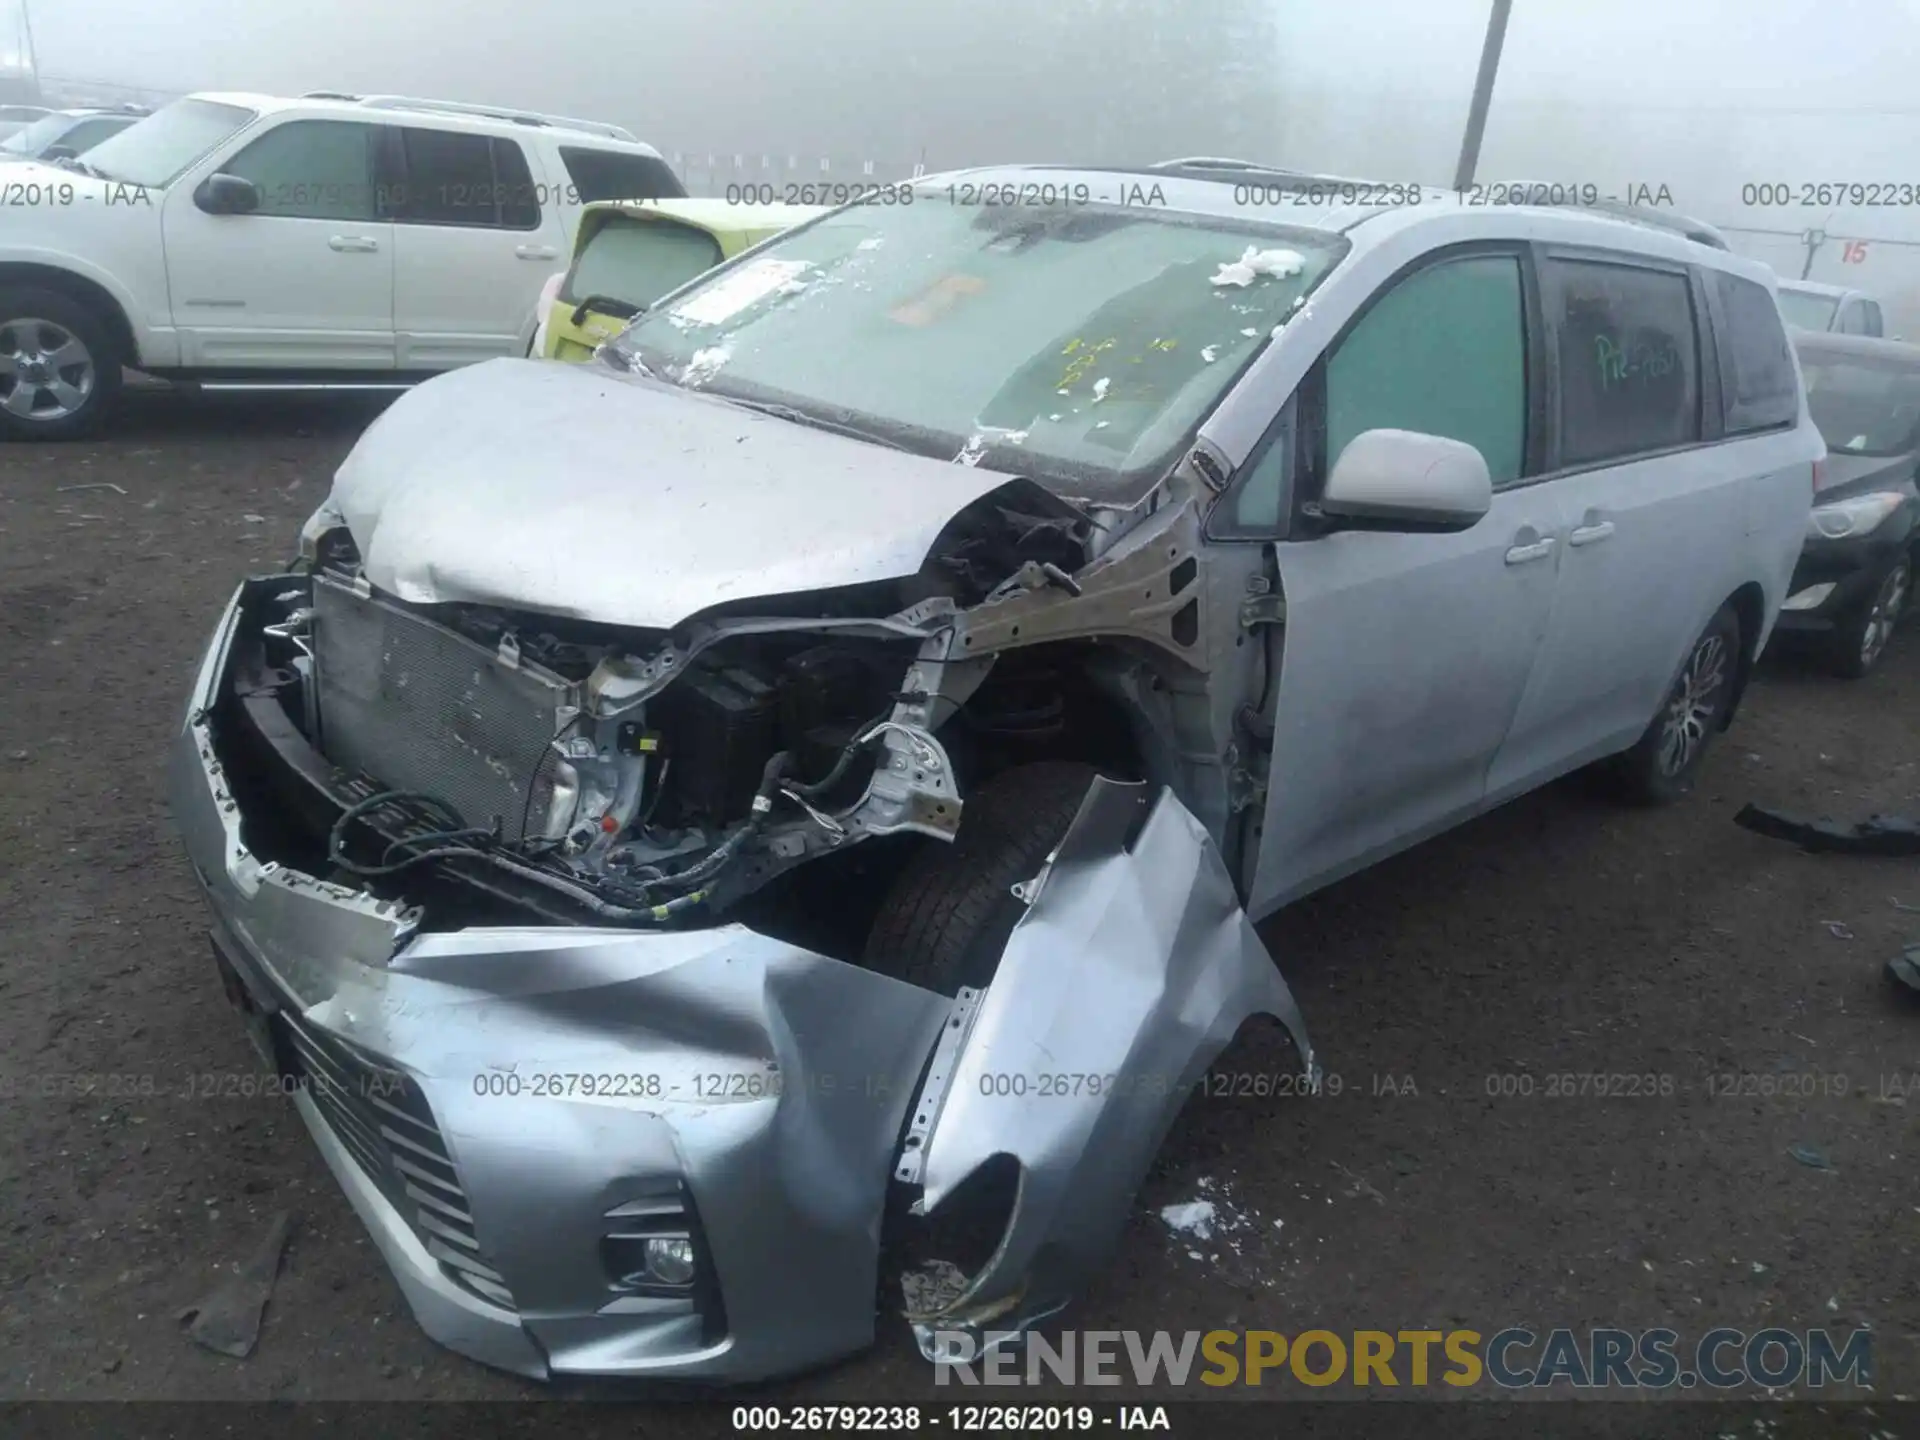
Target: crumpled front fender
1131,971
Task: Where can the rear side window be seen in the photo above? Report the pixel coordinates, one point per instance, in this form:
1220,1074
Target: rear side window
611,175
638,261
1444,352
453,178
1871,309
1756,365
1629,359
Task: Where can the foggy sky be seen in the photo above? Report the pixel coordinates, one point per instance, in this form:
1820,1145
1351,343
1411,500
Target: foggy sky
1698,95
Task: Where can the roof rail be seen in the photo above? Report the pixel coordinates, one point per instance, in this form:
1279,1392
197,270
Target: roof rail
494,112
1278,175
329,95
1652,216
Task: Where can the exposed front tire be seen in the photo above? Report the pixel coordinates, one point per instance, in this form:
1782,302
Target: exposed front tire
59,366
1857,642
946,919
1665,762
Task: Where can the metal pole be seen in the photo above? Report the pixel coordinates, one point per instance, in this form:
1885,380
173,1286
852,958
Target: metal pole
1482,94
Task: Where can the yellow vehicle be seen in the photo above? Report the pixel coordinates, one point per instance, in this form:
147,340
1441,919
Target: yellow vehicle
628,253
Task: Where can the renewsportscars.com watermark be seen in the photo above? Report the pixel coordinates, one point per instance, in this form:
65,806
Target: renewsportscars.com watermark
1513,1359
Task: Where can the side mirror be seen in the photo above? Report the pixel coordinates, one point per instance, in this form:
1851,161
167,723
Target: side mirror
1400,479
227,195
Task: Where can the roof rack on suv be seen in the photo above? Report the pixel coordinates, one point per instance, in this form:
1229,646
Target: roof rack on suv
494,112
1274,175
330,95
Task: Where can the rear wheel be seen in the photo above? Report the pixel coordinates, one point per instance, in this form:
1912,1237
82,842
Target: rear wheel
59,366
947,918
1663,765
1858,642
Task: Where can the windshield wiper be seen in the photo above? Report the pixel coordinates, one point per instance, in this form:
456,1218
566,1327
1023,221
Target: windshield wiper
74,162
815,422
606,305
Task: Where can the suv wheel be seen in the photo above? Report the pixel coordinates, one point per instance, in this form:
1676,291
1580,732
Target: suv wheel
59,367
1663,765
949,915
1858,642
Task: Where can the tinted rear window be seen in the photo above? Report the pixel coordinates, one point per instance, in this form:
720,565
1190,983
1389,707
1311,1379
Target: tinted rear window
638,261
1629,360
1863,408
611,175
1756,364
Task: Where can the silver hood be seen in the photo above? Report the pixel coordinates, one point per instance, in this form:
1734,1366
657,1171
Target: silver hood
575,490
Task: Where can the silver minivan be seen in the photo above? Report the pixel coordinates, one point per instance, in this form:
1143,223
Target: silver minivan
799,789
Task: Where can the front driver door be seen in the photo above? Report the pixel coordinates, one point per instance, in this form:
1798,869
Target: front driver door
1405,654
303,282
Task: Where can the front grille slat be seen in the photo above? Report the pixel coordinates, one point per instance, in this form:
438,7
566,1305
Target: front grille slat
382,1119
418,706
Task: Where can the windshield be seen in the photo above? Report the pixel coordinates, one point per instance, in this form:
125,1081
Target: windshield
638,261
37,136
1863,409
158,149
1080,344
1805,310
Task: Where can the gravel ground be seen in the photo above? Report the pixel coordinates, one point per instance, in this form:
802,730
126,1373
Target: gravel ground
1558,936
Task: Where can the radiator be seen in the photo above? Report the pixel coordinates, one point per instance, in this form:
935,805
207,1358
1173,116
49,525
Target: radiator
420,707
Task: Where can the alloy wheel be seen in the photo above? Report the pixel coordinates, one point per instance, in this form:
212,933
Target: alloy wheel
1884,613
1694,706
46,371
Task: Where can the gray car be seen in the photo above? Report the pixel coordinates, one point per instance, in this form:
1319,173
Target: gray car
801,787
1809,305
63,134
1851,587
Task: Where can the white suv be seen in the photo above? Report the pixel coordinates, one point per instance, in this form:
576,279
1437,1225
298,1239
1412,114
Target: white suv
244,240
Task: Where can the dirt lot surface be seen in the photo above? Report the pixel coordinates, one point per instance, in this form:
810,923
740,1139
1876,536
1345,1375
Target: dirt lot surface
1558,937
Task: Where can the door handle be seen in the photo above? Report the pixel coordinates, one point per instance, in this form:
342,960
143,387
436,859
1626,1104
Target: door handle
1591,534
1527,550
357,244
536,252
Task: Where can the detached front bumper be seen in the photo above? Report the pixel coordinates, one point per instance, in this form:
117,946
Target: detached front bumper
502,1106
513,1112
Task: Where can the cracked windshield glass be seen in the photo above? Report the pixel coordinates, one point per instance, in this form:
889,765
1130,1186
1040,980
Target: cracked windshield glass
1075,342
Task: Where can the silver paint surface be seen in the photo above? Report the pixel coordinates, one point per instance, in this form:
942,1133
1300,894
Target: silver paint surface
577,490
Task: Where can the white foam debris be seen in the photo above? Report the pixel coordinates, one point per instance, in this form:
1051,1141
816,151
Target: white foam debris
1250,333
1100,389
1210,353
1278,263
704,365
1195,1218
872,242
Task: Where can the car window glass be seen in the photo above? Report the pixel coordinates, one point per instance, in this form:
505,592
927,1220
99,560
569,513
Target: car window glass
1757,386
90,132
1629,360
454,178
1875,325
1853,319
1863,407
311,169
638,261
1442,353
610,175
1806,311
1258,499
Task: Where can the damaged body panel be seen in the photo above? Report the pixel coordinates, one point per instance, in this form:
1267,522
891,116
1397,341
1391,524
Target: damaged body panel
681,818
1131,970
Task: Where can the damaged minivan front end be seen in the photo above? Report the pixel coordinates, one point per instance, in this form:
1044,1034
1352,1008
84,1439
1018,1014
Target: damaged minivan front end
667,885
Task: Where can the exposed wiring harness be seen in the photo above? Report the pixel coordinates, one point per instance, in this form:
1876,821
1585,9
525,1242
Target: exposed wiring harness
625,896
